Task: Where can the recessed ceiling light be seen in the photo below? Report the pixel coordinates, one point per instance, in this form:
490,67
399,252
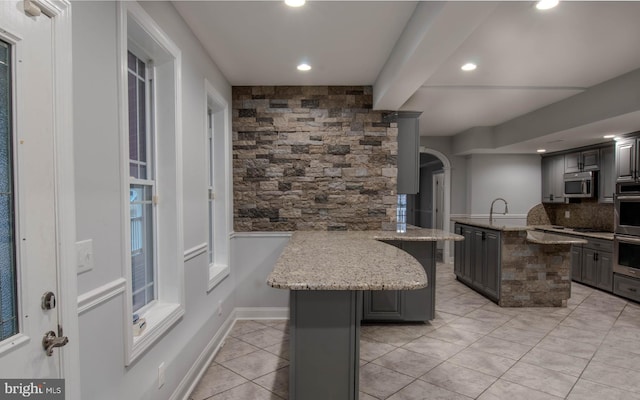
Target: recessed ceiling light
609,136
304,67
294,3
546,4
469,67
541,150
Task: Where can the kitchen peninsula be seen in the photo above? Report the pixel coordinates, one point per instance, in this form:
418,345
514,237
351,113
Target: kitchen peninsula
514,265
326,273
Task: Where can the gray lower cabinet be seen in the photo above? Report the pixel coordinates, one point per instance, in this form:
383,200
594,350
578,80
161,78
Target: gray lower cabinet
478,258
592,264
383,305
458,261
576,263
324,344
405,305
627,287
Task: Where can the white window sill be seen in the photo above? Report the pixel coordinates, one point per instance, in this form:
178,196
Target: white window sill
160,317
217,272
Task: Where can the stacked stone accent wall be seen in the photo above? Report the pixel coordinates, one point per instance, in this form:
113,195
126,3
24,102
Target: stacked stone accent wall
312,158
534,275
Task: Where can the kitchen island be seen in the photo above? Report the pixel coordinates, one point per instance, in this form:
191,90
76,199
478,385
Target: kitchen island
326,273
514,265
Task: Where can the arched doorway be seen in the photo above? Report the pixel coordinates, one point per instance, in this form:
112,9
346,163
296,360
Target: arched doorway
435,198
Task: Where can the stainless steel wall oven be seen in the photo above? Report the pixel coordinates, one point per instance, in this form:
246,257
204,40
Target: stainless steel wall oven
627,209
626,255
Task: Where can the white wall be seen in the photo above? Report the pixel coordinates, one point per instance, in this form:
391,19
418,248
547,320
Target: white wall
516,178
98,199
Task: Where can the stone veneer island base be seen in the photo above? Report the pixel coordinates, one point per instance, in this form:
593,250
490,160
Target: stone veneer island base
326,273
513,265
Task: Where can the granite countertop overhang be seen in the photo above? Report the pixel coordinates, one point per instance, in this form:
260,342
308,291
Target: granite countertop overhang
570,231
352,260
497,224
540,237
500,225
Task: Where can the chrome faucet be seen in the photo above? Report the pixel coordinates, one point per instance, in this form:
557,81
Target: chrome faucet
506,209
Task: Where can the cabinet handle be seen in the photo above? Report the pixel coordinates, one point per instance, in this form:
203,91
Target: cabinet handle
633,289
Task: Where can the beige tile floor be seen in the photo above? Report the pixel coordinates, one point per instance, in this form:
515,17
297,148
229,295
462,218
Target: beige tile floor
472,350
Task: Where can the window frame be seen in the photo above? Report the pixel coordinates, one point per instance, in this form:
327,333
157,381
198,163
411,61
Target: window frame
150,181
221,224
138,32
210,186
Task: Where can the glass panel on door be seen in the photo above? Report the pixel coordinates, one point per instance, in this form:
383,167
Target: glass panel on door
8,282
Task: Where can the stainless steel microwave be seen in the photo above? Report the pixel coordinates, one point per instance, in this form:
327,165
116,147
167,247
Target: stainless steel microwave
579,184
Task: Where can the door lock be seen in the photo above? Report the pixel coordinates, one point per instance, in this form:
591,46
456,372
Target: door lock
48,301
51,341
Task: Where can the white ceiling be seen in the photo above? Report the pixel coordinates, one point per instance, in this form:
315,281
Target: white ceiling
411,52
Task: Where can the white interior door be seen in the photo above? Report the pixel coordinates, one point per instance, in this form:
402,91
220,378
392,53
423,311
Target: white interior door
28,258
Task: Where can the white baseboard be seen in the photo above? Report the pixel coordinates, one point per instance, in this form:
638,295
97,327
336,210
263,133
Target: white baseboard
262,312
199,367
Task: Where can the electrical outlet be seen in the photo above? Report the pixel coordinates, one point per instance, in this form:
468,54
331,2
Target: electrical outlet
84,256
219,307
161,375
567,214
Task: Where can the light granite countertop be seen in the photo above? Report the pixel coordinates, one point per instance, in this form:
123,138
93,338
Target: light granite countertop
540,237
352,260
570,231
498,224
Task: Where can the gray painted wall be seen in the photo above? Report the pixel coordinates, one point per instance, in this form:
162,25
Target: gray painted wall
479,178
458,171
516,178
254,256
99,200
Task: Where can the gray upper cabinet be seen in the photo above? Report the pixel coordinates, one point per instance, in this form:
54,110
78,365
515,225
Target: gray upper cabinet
588,160
602,159
626,160
408,152
607,178
552,179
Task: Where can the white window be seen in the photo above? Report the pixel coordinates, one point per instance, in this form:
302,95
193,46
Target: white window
401,213
211,192
217,142
151,164
141,180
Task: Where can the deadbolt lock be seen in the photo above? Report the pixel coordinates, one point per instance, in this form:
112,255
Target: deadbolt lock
48,301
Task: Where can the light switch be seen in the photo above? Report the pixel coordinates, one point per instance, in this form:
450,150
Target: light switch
84,255
567,214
